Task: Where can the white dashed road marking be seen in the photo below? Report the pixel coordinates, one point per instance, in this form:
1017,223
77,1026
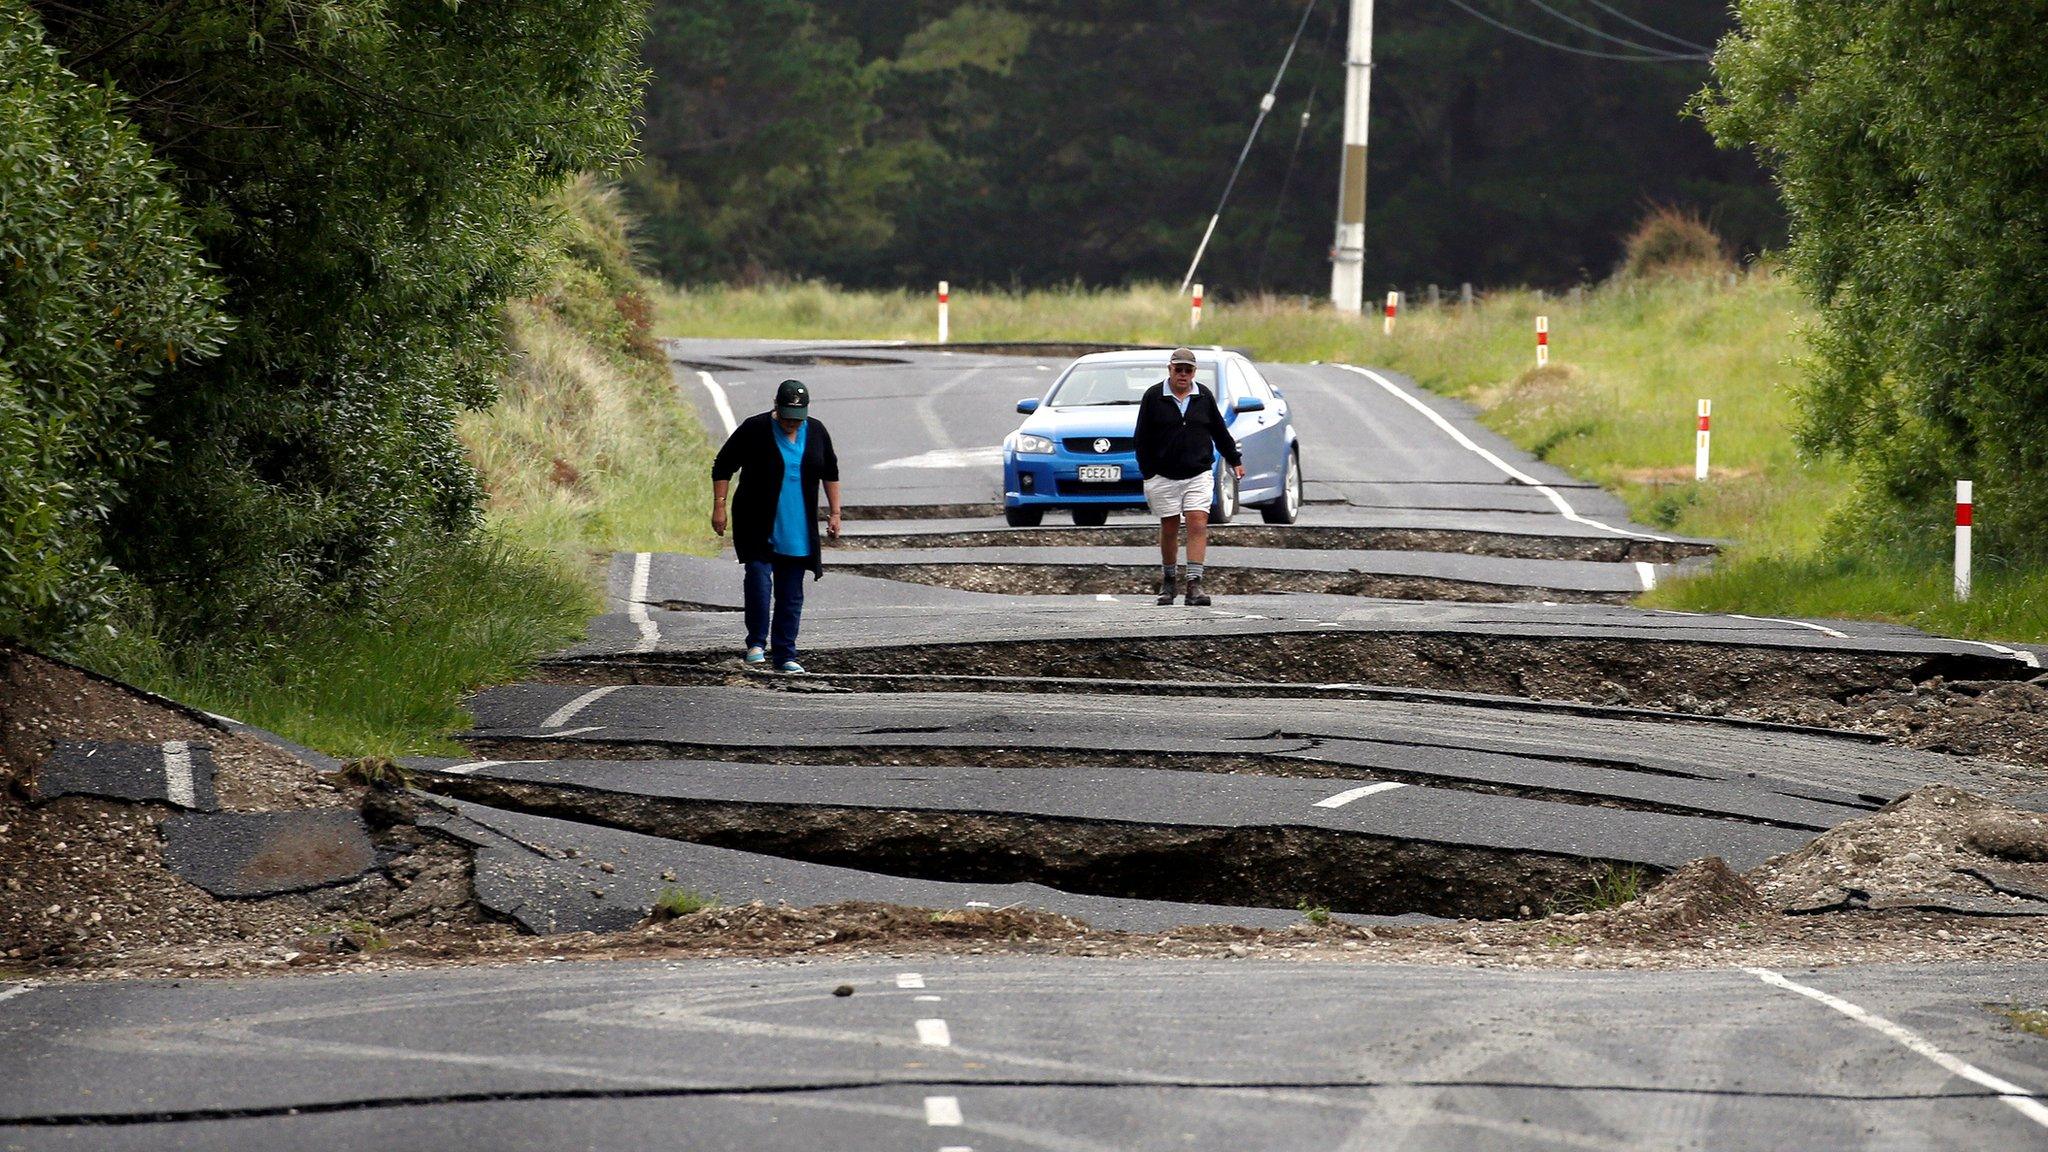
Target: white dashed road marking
1647,573
579,731
927,999
178,787
567,712
1343,798
719,402
1556,501
2026,1103
909,980
987,457
934,1034
942,1111
480,765
636,603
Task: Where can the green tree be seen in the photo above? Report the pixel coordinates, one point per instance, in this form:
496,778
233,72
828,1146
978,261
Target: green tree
102,295
367,176
1910,143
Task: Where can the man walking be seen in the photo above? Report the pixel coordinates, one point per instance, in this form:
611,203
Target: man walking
782,457
1180,431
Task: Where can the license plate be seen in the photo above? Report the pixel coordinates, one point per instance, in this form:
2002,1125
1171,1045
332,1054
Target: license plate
1096,473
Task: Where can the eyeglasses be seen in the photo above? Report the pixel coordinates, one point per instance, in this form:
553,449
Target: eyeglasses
1183,367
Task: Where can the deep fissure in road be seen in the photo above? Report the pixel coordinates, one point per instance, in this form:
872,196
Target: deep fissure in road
1272,867
1467,542
1142,579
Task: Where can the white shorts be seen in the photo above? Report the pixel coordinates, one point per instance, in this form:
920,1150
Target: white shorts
1175,497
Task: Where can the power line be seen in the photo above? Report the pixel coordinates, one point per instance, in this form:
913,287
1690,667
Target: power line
1609,36
1535,39
1625,18
1265,106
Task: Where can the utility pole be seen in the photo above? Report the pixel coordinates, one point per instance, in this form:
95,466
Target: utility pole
1347,256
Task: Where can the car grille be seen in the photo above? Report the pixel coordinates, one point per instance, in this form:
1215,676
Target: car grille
1104,488
1085,445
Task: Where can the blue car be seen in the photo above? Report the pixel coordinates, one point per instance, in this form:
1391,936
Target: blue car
1075,450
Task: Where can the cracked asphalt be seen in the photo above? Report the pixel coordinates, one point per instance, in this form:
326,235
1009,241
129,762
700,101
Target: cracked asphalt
1162,732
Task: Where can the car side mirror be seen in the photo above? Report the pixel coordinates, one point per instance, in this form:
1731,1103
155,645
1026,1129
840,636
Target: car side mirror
1250,404
1028,405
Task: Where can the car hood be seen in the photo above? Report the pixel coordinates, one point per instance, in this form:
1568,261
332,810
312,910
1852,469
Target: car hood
1101,420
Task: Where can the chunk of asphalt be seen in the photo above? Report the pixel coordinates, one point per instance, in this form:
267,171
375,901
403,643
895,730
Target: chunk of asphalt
176,772
524,872
2010,881
1961,903
237,854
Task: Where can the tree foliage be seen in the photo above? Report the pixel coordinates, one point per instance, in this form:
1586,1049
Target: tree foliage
1910,142
102,295
1046,141
366,175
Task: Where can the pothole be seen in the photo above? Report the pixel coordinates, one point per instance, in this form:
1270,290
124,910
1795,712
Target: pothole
1505,545
1132,580
1244,867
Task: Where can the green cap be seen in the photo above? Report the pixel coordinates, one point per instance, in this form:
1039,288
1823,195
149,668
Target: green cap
792,401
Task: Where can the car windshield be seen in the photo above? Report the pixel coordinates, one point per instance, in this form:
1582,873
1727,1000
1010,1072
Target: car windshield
1092,385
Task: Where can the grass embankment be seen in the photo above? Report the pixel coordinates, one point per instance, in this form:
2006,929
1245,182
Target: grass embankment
1630,359
586,451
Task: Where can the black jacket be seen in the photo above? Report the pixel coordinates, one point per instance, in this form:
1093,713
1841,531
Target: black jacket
1179,447
751,452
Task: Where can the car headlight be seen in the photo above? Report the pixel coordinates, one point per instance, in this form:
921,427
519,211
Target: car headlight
1033,445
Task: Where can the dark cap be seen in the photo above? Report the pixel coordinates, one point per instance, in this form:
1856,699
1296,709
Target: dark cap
1181,356
792,401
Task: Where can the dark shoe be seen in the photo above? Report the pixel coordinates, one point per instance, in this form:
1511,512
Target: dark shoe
1166,589
1196,597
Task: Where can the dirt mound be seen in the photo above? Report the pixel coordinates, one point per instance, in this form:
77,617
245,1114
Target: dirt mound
1701,892
86,881
1937,840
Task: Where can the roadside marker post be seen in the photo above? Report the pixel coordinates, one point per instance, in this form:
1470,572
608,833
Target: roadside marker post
1542,341
945,291
1393,301
1699,452
1965,513
1195,313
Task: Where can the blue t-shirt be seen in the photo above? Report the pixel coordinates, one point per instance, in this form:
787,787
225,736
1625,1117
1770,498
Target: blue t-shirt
791,537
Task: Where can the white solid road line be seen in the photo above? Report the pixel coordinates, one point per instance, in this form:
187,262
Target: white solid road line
567,712
178,787
1343,798
934,1034
942,1111
987,457
636,603
1647,573
2027,658
2026,1103
1563,507
909,980
927,999
719,402
1781,620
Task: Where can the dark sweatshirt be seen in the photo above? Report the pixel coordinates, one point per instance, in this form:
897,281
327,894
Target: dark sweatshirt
751,452
1180,447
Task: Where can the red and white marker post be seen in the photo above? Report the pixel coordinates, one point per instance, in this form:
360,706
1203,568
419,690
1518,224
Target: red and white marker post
945,291
1701,440
1195,312
1965,512
1393,302
1542,341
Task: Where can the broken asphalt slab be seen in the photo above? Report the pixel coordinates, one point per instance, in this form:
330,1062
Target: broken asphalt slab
524,871
175,772
236,854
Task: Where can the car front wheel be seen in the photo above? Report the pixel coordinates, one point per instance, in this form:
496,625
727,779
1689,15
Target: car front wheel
1024,517
1091,517
1287,509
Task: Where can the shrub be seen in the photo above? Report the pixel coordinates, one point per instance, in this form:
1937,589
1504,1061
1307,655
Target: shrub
102,295
1672,241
